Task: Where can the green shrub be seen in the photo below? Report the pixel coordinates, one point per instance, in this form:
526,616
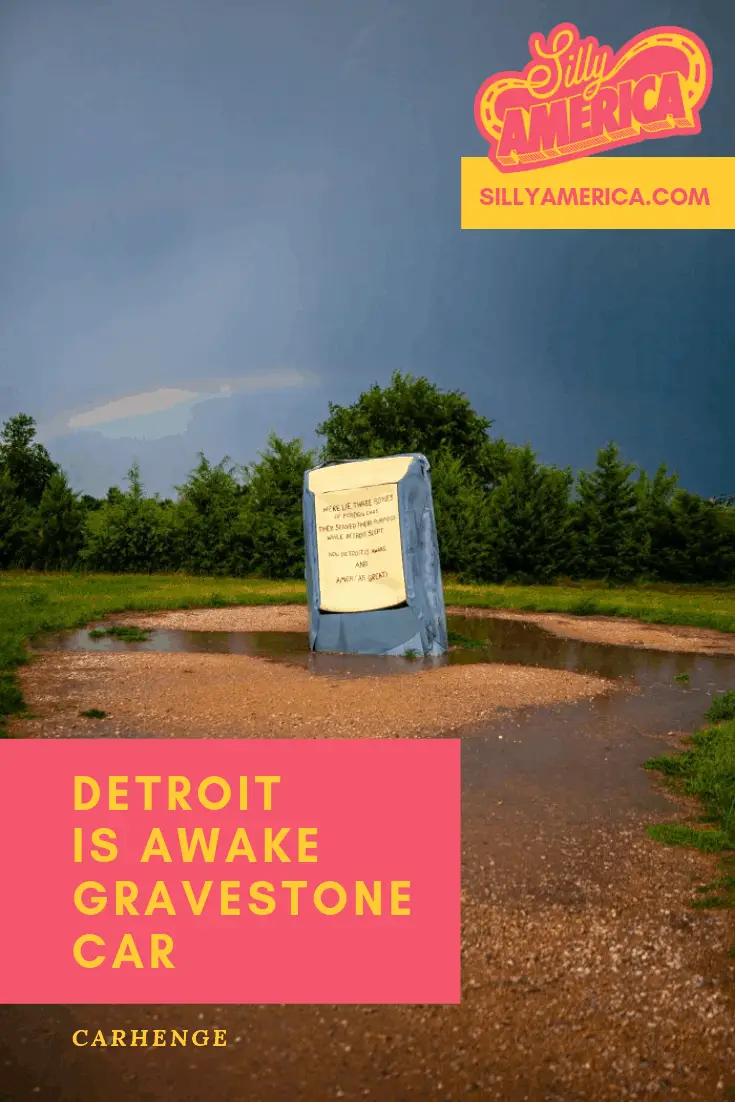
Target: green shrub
722,707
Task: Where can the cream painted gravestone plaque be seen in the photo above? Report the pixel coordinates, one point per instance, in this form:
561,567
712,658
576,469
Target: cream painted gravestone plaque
359,549
372,560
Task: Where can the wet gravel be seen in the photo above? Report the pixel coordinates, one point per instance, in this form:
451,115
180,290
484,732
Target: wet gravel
232,696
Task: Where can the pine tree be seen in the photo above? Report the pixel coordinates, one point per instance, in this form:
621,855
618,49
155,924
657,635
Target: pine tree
608,538
701,542
17,526
60,525
655,519
209,529
459,504
272,516
129,533
527,524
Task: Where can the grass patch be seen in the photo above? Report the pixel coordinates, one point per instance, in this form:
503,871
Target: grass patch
682,678
217,600
456,639
719,893
585,606
11,698
93,713
722,708
691,606
705,769
680,834
128,633
671,765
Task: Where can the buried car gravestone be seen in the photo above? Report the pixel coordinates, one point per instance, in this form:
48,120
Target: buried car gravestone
372,560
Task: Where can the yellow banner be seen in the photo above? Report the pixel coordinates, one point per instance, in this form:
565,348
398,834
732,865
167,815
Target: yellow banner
601,193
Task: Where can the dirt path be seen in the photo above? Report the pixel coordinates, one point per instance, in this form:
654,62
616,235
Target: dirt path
587,976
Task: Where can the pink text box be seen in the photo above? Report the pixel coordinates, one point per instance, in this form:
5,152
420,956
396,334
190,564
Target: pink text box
383,810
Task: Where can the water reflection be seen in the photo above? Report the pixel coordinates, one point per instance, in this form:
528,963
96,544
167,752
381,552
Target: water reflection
662,704
504,641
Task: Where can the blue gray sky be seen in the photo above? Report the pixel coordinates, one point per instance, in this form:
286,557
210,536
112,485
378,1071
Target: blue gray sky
247,209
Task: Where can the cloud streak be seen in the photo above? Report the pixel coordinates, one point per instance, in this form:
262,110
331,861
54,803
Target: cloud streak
134,406
146,404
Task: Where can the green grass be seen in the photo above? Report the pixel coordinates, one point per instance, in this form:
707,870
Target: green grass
681,834
719,893
32,603
692,606
128,633
463,642
683,678
93,713
705,769
722,708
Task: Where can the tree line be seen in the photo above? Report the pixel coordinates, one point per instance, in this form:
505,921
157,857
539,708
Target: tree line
501,514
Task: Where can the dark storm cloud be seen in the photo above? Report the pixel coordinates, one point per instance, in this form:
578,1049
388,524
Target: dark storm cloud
195,190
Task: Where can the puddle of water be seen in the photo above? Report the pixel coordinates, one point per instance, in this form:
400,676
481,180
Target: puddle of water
503,641
291,648
661,704
536,767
